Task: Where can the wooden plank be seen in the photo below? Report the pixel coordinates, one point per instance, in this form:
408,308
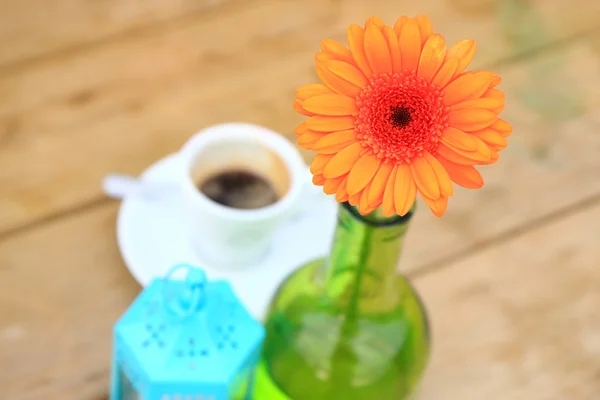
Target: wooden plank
549,165
516,321
36,28
520,320
60,297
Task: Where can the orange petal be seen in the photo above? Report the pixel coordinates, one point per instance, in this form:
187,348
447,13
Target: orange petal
298,108
465,51
425,27
496,147
347,72
388,208
410,45
453,156
502,127
309,137
313,89
321,57
459,139
425,177
443,179
437,206
307,142
378,184
337,50
343,161
495,80
336,83
342,193
318,180
491,137
363,203
319,162
446,72
335,142
323,123
330,104
356,41
464,175
331,185
302,129
376,21
472,119
354,199
392,42
400,24
368,210
343,198
377,51
405,190
488,103
482,153
495,156
432,57
362,172
465,87
494,93
498,110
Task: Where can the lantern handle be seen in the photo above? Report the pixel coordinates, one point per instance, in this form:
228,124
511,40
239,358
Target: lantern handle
191,297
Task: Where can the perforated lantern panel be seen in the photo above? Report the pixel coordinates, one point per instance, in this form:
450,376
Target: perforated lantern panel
187,339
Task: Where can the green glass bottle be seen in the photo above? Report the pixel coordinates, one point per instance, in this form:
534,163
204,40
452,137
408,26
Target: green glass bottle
347,327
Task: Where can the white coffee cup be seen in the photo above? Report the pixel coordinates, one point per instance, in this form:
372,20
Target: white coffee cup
233,237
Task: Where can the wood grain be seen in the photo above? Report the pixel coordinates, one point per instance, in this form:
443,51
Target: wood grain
62,287
520,320
515,321
30,30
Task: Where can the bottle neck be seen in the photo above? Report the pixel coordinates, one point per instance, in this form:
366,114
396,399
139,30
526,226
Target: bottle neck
361,271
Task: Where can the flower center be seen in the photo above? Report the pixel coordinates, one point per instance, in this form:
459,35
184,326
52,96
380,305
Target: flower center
400,116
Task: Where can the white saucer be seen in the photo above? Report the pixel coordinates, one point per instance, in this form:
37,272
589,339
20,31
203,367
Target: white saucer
152,238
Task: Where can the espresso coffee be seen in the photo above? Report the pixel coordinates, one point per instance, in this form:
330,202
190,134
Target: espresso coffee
239,189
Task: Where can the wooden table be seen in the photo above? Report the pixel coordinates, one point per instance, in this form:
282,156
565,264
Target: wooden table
511,274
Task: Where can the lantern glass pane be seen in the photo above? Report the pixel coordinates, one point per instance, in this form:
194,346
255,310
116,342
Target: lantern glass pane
128,392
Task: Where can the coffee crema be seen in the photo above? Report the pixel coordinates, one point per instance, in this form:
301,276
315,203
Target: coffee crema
239,188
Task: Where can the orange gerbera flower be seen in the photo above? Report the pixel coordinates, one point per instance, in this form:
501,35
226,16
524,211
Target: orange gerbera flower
396,115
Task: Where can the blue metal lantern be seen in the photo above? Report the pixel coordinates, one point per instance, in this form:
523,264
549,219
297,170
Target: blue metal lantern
185,338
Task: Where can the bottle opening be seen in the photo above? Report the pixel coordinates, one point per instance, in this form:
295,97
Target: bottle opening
376,218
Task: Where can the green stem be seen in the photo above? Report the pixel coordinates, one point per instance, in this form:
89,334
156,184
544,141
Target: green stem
352,310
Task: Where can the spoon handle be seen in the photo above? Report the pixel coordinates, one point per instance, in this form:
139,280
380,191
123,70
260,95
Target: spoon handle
119,186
